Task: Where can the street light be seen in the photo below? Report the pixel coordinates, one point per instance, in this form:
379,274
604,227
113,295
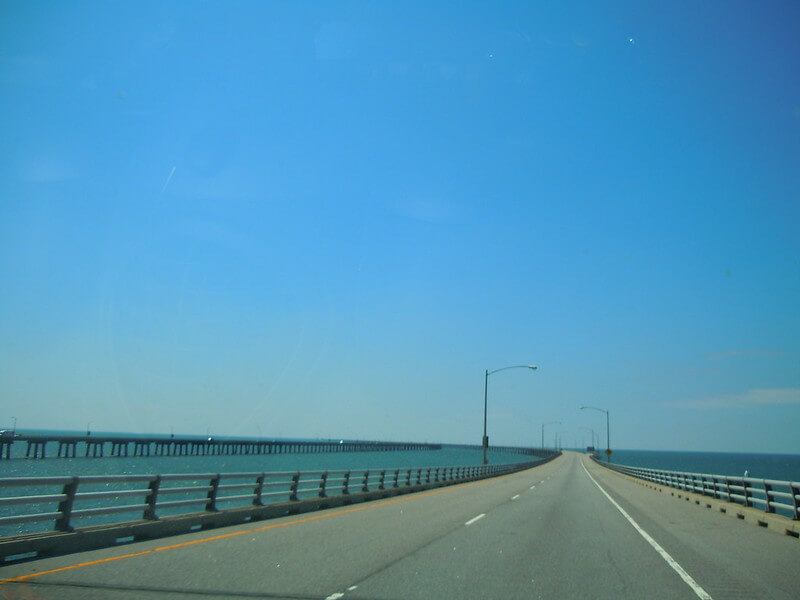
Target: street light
550,423
608,434
485,396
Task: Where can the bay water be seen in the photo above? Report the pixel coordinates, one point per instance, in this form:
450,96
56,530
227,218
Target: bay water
782,467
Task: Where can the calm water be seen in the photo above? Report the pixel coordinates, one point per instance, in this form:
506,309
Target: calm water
785,467
447,456
768,466
21,467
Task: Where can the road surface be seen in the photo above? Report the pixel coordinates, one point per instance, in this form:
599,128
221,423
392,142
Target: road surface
567,529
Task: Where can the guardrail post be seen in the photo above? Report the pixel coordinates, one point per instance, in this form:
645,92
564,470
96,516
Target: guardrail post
767,489
65,507
419,476
716,490
323,482
365,482
747,494
211,505
795,489
152,499
396,477
258,491
727,489
293,487
381,480
346,483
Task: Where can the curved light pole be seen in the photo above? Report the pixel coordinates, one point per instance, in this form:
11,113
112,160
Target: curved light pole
549,423
608,434
485,396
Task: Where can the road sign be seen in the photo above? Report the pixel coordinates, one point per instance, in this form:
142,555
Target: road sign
608,452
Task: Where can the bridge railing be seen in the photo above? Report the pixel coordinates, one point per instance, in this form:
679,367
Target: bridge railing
769,495
66,502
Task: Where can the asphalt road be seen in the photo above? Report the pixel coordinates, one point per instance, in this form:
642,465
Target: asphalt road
549,532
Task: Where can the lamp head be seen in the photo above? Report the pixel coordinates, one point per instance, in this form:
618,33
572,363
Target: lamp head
532,367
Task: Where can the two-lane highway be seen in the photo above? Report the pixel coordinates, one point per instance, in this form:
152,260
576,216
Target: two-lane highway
567,529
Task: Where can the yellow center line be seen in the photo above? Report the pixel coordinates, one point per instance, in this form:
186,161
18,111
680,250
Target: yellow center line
368,505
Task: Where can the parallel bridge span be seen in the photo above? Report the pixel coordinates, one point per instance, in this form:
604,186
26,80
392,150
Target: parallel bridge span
91,446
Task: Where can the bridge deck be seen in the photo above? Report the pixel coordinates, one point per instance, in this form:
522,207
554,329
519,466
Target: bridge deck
549,532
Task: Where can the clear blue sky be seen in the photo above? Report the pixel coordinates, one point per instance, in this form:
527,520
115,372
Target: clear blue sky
328,219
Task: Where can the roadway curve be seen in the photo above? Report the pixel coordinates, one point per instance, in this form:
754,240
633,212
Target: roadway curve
549,532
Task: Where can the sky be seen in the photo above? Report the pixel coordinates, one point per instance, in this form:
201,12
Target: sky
330,219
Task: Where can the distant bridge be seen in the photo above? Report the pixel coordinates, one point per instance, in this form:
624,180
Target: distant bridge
99,446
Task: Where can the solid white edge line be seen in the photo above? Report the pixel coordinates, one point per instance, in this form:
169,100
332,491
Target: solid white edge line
471,521
696,588
515,497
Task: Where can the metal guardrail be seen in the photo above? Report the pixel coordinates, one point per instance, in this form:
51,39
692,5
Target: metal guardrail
769,495
66,500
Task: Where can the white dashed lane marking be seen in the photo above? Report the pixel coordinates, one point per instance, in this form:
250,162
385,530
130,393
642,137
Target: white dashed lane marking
472,520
